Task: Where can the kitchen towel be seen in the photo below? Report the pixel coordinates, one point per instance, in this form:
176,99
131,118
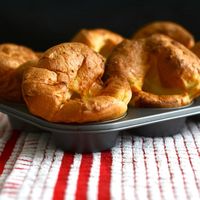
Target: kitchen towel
31,167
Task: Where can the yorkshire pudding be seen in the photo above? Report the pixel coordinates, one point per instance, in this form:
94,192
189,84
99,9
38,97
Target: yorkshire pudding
65,86
100,40
12,56
161,71
170,29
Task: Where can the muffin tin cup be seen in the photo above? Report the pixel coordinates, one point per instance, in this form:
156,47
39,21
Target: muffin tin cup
163,128
71,141
93,137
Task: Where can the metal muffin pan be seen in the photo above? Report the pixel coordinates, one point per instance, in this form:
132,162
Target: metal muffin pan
93,137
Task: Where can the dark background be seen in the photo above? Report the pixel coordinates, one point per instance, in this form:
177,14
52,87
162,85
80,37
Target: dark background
41,24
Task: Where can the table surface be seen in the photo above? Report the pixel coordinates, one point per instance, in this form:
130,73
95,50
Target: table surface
31,167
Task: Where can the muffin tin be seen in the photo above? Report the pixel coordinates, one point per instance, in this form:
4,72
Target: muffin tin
93,137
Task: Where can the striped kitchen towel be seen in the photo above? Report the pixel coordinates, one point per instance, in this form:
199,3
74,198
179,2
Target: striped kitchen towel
31,167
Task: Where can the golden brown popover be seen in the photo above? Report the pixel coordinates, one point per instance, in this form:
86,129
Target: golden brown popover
161,71
12,56
171,29
65,86
100,40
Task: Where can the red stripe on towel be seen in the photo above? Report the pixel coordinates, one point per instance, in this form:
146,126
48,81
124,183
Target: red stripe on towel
158,170
8,149
181,169
146,169
61,184
84,173
191,164
105,176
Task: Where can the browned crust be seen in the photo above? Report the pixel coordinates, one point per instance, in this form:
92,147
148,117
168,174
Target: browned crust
171,29
65,86
100,40
12,56
161,71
